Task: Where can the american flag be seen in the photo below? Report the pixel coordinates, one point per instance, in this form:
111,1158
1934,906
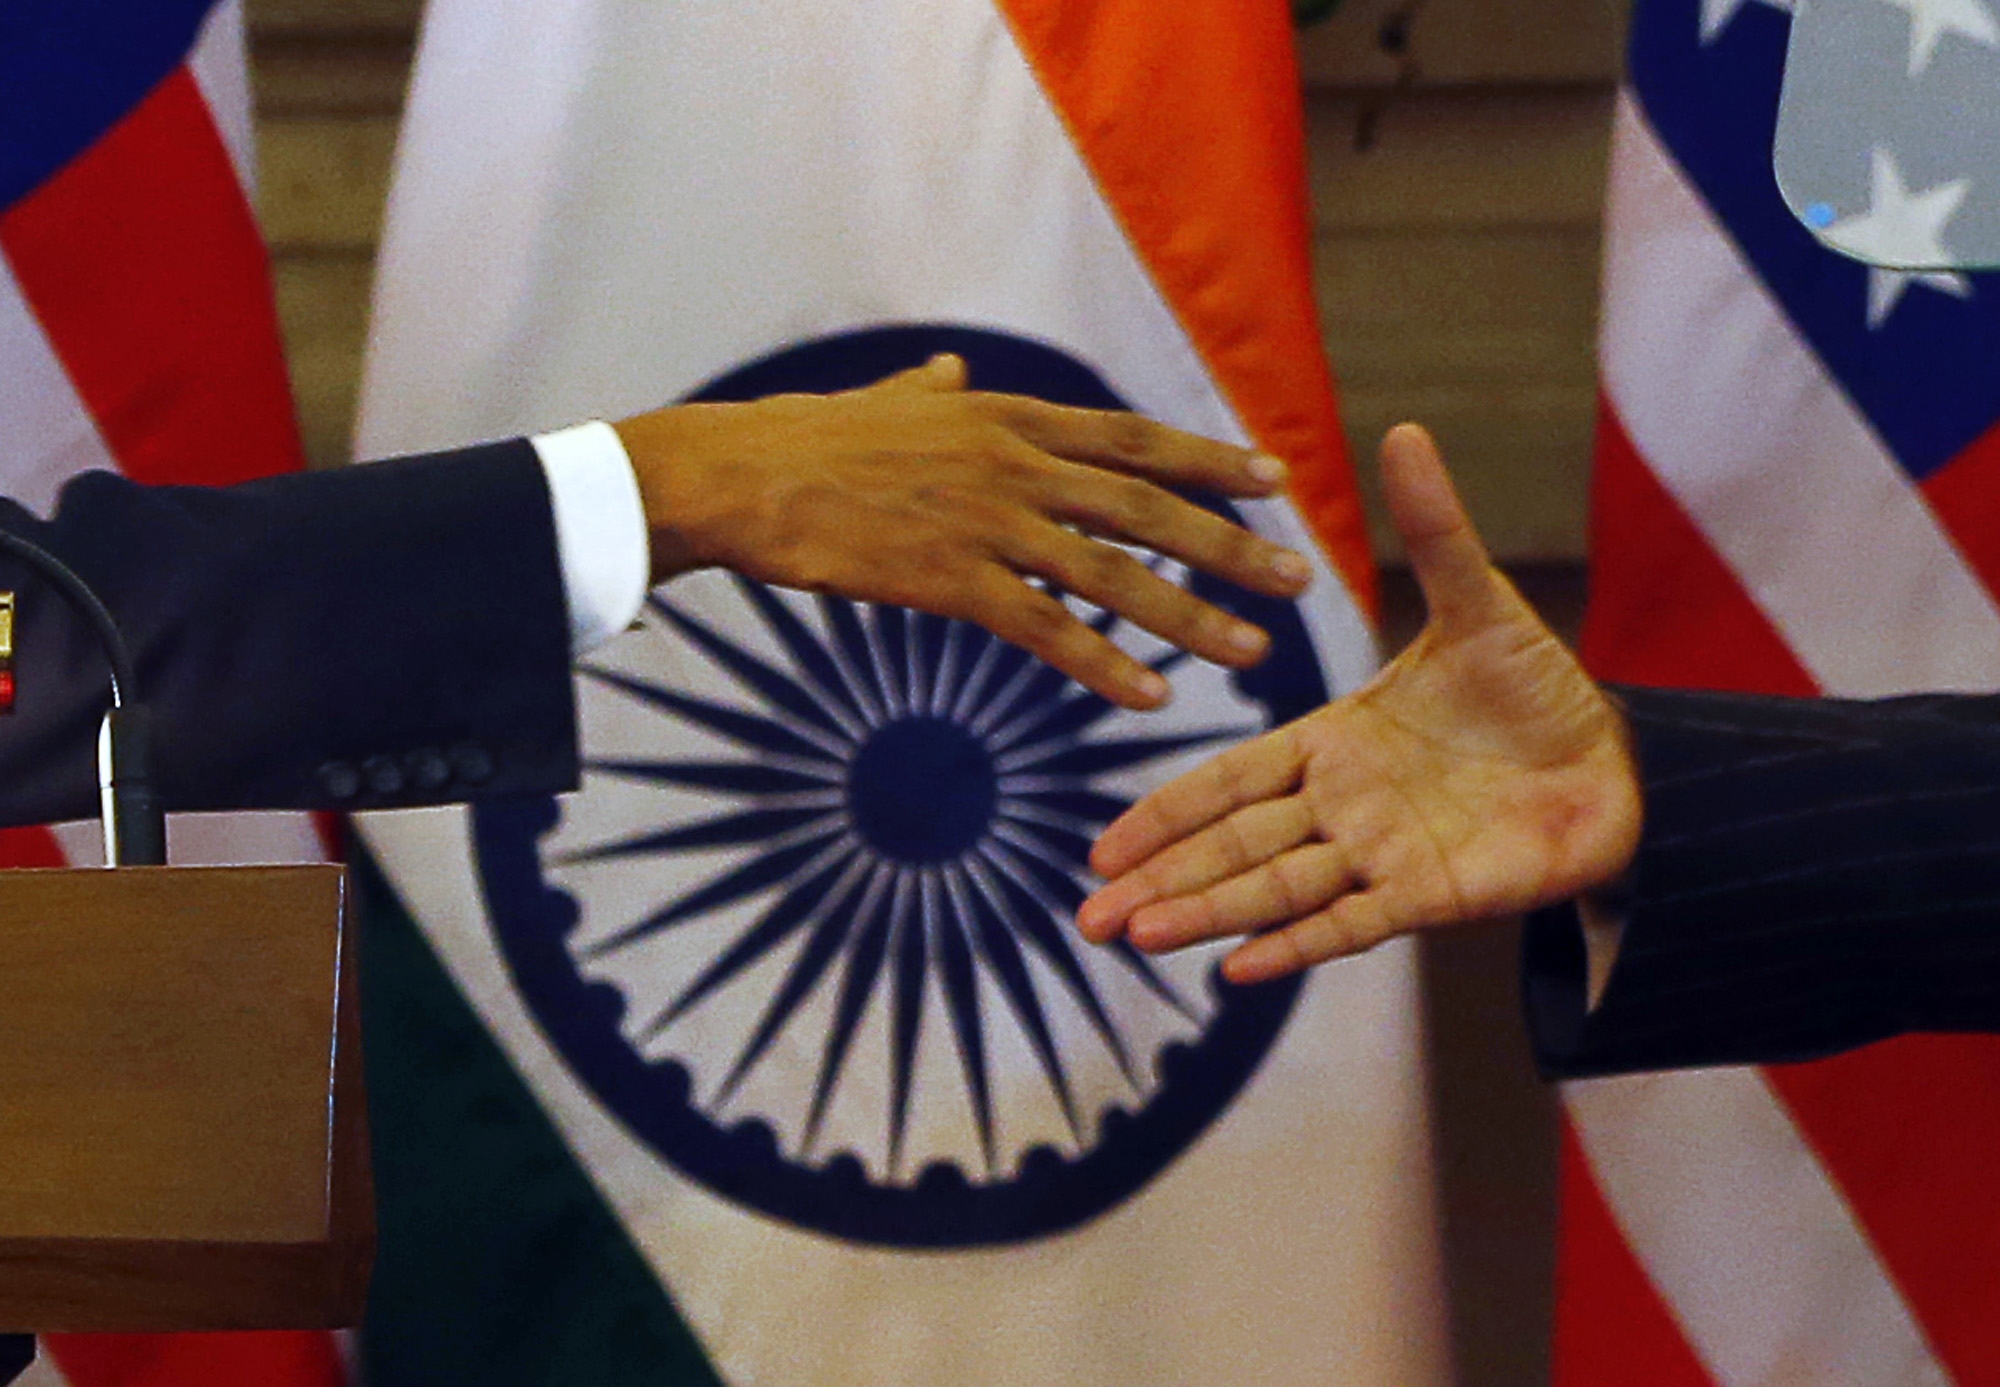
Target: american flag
1795,493
138,333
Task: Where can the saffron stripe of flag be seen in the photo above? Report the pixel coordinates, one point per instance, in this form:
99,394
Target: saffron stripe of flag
1197,161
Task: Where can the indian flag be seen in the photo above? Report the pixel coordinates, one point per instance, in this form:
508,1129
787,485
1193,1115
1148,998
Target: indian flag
771,1056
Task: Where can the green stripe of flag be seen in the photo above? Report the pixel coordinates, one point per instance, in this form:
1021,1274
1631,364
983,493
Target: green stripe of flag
498,1263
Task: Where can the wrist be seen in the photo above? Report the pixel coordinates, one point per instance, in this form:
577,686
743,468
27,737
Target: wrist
665,451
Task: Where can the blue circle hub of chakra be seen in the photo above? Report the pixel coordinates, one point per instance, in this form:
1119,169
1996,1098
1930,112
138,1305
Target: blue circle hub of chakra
893,779
922,790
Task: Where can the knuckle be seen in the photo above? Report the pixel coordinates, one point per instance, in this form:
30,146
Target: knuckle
1095,569
1140,506
1290,888
1041,620
1361,926
1237,852
970,508
1209,917
1234,776
1015,413
1012,467
1128,437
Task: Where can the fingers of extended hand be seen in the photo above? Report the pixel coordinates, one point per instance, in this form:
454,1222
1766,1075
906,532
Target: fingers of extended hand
1235,845
1287,888
1133,443
1351,924
1016,611
1113,579
1259,770
1142,513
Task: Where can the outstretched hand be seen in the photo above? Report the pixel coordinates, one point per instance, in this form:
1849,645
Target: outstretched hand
1481,774
918,492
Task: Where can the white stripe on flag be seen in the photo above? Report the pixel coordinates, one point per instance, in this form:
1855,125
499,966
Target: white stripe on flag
222,71
208,840
42,1373
1772,461
230,840
1738,1227
46,435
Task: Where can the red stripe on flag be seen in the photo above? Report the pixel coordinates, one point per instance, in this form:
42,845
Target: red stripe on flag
145,267
30,847
1664,609
1195,133
182,1360
1965,495
1933,1220
1611,1325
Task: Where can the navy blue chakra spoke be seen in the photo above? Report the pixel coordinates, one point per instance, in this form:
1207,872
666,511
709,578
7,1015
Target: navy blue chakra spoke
913,804
751,879
947,847
808,930
811,896
808,706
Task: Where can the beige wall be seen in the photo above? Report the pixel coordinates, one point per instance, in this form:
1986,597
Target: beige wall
1457,267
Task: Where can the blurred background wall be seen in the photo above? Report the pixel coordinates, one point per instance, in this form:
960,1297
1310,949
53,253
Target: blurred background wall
1457,151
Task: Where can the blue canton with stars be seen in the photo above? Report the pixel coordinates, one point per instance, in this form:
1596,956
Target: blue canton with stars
877,838
1925,370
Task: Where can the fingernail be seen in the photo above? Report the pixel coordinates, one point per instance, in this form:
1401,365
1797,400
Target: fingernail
1290,566
1265,468
1151,687
1245,638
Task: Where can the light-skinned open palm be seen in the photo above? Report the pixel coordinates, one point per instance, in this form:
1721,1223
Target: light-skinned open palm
1481,774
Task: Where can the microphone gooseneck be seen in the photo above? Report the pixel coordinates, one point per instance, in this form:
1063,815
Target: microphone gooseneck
135,829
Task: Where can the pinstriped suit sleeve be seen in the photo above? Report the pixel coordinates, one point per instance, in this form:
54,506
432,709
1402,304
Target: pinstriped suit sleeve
1812,875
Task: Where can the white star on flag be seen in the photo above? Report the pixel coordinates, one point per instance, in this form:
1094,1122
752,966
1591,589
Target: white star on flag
1931,20
1900,228
1716,14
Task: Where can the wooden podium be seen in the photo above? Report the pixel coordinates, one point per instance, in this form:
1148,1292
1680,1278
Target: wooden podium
183,1142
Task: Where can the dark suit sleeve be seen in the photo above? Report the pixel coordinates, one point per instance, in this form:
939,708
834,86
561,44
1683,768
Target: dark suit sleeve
1812,875
371,637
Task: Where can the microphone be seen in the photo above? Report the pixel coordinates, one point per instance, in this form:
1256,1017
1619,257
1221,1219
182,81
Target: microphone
135,826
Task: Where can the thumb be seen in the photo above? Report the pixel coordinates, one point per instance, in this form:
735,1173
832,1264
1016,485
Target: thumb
943,372
1460,586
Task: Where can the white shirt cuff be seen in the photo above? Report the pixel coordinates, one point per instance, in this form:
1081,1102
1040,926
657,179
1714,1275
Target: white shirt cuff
1603,935
600,530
